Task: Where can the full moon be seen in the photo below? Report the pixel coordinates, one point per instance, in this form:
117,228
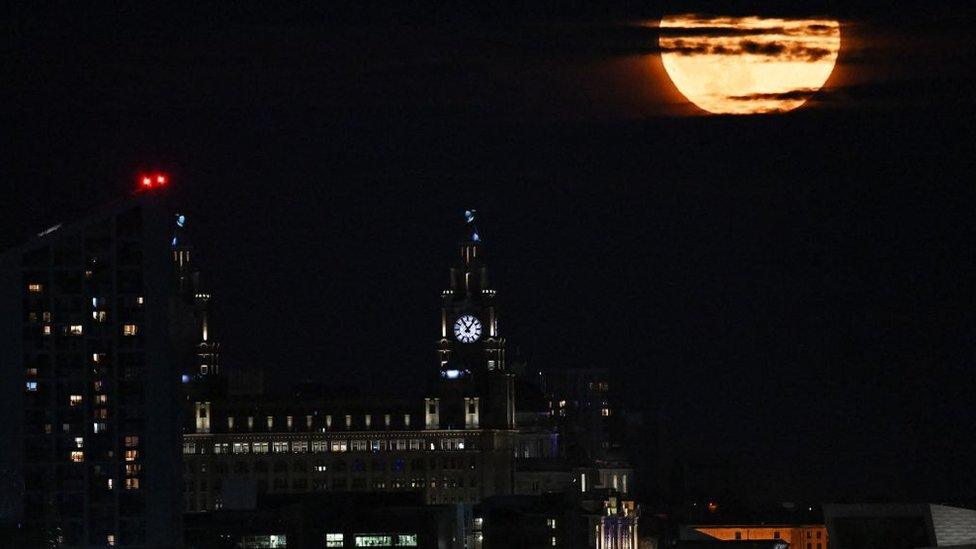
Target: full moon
748,65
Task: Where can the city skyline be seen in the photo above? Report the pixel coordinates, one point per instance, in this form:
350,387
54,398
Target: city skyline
790,293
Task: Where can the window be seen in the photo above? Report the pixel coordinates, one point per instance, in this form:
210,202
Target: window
357,445
189,448
384,540
386,420
818,534
110,539
377,445
605,412
35,288
46,316
241,448
32,386
280,447
132,484
299,446
46,330
348,421
129,329
131,455
368,420
230,423
99,427
776,534
338,446
79,442
551,523
406,420
270,422
259,447
334,540
76,329
77,456
738,535
101,399
221,448
320,446
416,444
99,316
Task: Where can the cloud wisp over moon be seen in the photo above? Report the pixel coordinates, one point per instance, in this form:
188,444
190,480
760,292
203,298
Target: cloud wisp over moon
748,65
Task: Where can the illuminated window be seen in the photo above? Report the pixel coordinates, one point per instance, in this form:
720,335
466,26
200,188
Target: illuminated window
386,420
553,541
338,446
46,330
406,420
551,523
280,447
77,456
605,412
131,455
98,386
369,420
109,483
99,427
320,446
46,316
385,540
189,448
241,448
129,329
32,386
35,288
132,483
101,399
348,421
131,441
308,421
101,413
110,539
140,300
32,372
406,540
582,482
333,540
259,448
98,357
288,422
299,446
230,423
76,329
270,422
99,316
328,422
250,422
357,445
79,442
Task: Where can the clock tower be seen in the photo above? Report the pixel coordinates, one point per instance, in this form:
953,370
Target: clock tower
475,388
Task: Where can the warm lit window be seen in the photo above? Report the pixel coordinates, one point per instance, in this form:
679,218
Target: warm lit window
32,372
140,300
131,442
98,357
374,540
338,446
299,446
76,329
250,422
406,540
270,422
551,523
46,316
74,400
131,455
77,456
132,469
259,447
101,399
348,421
129,329
333,540
189,448
132,484
241,448
46,330
99,316
35,288
110,539
280,447
605,412
553,541
357,445
230,423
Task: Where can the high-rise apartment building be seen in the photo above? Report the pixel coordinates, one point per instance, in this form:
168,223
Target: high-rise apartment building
92,375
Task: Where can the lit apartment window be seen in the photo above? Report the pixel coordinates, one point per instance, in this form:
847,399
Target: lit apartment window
129,329
241,448
308,421
189,448
79,442
98,357
605,412
369,420
299,446
259,447
328,422
357,445
98,386
288,422
230,423
582,482
406,420
131,455
46,330
132,484
110,539
77,456
46,316
32,372
101,399
280,447
551,523
320,446
348,421
338,446
270,422
250,422
99,427
32,386
334,540
101,413
109,484
99,316
140,300
35,288
132,442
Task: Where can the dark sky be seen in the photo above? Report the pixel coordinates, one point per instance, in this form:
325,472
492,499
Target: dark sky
794,291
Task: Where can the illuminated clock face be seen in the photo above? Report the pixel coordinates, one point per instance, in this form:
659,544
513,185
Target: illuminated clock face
467,329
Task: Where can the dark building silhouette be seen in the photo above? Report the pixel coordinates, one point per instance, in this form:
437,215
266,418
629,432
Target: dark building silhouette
91,448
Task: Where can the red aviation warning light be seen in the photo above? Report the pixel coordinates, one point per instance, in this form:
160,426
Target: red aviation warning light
153,180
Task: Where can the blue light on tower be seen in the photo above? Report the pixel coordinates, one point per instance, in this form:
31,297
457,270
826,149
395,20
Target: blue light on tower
180,220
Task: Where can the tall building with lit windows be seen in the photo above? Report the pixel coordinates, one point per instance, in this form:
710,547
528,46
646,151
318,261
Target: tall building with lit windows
91,372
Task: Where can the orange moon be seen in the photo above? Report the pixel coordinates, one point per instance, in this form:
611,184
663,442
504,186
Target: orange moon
748,65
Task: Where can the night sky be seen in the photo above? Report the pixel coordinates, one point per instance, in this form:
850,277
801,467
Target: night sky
792,293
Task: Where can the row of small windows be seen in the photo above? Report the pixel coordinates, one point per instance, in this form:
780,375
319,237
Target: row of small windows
302,446
128,330
289,420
